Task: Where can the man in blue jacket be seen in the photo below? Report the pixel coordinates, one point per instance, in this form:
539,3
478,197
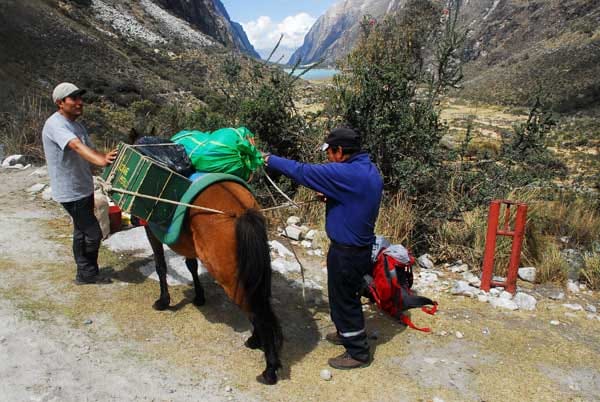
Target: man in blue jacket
352,187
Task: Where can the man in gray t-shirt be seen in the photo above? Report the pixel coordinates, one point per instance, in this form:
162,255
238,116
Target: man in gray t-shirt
69,152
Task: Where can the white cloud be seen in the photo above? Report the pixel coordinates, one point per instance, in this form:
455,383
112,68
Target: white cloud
263,33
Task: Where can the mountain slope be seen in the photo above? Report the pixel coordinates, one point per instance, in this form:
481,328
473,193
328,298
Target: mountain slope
334,33
514,47
121,51
211,18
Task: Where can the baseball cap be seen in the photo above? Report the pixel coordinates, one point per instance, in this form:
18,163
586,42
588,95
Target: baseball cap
342,136
64,90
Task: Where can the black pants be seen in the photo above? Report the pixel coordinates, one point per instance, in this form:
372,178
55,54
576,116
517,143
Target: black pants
87,236
345,269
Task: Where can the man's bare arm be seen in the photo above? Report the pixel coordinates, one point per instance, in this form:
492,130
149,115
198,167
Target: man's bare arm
91,155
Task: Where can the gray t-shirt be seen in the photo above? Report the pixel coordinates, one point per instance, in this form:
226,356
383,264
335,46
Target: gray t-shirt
70,175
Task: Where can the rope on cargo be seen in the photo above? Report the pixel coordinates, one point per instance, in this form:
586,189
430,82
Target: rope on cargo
108,188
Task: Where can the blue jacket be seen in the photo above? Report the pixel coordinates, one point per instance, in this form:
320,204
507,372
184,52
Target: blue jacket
353,189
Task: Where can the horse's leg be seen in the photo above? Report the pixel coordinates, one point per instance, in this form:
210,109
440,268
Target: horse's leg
162,303
192,266
254,341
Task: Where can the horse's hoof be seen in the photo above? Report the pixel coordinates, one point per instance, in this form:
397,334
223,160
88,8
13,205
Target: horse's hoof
199,301
268,377
253,342
161,305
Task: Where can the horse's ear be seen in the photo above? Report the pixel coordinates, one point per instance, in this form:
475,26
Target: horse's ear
133,136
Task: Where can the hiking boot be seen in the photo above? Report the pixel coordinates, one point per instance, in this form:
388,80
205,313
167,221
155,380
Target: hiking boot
334,338
94,280
347,362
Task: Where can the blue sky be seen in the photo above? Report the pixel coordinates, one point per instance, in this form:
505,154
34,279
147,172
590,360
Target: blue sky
265,20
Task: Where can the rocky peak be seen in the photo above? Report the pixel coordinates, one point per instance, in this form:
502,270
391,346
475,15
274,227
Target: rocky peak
211,18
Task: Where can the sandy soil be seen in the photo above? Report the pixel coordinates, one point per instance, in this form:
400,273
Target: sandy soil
61,342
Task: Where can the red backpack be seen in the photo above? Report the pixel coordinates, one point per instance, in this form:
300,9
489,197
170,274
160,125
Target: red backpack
390,287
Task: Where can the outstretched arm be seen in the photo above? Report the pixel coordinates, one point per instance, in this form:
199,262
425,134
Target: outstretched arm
91,155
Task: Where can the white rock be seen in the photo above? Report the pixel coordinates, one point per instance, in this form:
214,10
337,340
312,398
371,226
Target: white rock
554,322
557,296
280,249
310,234
306,243
293,232
459,335
591,308
573,306
471,278
463,288
40,172
47,193
36,188
459,268
437,399
591,316
12,160
495,292
425,261
525,301
483,298
504,303
572,286
325,375
228,389
527,274
293,220
506,295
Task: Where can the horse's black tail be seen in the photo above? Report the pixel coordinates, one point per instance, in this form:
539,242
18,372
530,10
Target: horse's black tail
254,275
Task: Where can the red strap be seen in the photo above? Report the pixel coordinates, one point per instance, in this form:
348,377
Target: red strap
431,310
409,323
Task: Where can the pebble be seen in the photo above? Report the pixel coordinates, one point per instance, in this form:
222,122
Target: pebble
228,389
590,308
485,331
325,375
88,322
557,296
554,322
572,286
459,335
573,306
443,333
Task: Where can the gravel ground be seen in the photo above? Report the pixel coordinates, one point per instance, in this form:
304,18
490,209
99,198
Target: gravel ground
61,342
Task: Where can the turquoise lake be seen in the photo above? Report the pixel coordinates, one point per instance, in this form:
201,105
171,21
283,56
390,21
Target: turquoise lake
315,73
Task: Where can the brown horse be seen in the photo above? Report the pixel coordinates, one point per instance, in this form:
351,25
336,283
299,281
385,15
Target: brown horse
234,249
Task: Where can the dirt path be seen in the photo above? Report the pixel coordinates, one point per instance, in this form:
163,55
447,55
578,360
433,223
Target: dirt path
61,342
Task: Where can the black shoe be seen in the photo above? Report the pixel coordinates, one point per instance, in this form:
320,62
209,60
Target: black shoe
94,280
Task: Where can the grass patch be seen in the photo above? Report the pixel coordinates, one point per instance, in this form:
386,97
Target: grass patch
590,272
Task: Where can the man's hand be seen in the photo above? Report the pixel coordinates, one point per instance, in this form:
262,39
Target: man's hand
265,156
91,155
110,157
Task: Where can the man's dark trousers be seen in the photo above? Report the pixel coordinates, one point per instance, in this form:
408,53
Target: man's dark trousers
87,236
345,269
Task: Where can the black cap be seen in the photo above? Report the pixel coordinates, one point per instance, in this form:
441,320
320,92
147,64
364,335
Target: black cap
342,136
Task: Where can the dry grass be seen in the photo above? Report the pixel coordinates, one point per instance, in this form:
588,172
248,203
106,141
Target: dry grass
397,219
21,133
590,273
552,267
547,221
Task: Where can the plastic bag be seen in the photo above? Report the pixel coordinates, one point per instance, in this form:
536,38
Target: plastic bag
227,150
166,152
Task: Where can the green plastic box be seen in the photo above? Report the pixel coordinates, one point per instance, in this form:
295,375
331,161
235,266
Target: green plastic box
137,173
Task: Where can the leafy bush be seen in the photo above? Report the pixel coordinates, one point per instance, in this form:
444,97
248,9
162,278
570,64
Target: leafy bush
389,88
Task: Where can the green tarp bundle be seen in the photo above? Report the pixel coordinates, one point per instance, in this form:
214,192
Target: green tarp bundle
227,150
